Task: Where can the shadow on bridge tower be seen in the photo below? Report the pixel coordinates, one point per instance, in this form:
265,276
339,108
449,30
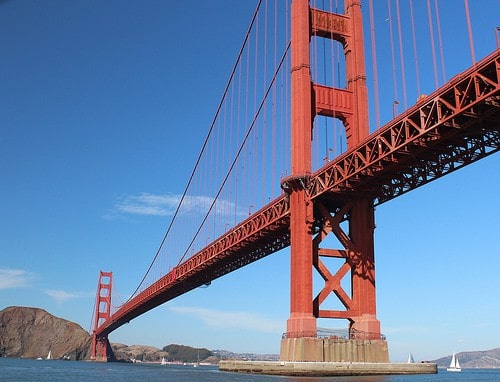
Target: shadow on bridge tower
314,221
101,348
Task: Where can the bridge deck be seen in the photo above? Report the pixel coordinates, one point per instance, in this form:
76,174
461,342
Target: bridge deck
456,125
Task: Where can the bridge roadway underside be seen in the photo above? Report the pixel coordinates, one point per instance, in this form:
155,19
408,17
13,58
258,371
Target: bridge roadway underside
456,125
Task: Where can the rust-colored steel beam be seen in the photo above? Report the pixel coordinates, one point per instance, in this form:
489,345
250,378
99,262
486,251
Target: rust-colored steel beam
457,125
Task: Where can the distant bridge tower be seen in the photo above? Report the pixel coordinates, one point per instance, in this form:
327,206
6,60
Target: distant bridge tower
313,221
101,349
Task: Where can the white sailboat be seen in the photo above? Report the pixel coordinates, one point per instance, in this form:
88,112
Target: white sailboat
198,362
49,356
410,359
454,365
163,362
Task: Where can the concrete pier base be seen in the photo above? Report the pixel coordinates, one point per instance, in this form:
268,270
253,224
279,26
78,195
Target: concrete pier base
331,356
324,369
333,349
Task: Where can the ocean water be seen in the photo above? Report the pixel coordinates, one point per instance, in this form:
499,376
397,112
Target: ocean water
26,370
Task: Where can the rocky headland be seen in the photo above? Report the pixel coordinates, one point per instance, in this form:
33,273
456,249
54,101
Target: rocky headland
33,332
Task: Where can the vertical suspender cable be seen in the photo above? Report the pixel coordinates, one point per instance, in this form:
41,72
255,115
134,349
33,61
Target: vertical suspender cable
374,65
252,175
339,82
325,81
273,120
231,198
393,57
332,60
431,31
264,122
401,55
469,28
314,77
236,139
244,167
443,73
415,54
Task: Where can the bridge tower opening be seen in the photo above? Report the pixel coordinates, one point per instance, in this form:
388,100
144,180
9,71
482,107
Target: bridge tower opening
101,348
311,222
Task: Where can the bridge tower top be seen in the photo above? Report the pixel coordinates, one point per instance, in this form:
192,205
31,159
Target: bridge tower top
347,29
308,99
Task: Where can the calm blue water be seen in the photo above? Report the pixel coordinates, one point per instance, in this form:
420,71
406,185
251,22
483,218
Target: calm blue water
25,370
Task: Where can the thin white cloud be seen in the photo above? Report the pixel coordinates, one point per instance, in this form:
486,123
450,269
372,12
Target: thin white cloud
165,205
14,278
62,296
148,204
235,320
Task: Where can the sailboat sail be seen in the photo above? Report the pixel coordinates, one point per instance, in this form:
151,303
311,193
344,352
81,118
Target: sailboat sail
454,364
410,358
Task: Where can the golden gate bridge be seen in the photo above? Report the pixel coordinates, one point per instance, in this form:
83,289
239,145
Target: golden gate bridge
296,157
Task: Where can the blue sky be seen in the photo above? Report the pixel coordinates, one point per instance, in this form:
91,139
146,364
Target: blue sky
102,103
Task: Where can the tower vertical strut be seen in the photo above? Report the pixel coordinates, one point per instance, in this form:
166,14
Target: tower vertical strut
312,221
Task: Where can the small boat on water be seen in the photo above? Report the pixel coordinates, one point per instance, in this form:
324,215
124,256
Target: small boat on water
454,364
49,356
163,362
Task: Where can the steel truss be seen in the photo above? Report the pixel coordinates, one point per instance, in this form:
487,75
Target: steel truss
453,127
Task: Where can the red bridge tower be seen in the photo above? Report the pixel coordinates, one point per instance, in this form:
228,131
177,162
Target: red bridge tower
311,222
101,349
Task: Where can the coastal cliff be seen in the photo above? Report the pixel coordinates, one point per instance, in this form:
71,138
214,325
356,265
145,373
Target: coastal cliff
33,332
